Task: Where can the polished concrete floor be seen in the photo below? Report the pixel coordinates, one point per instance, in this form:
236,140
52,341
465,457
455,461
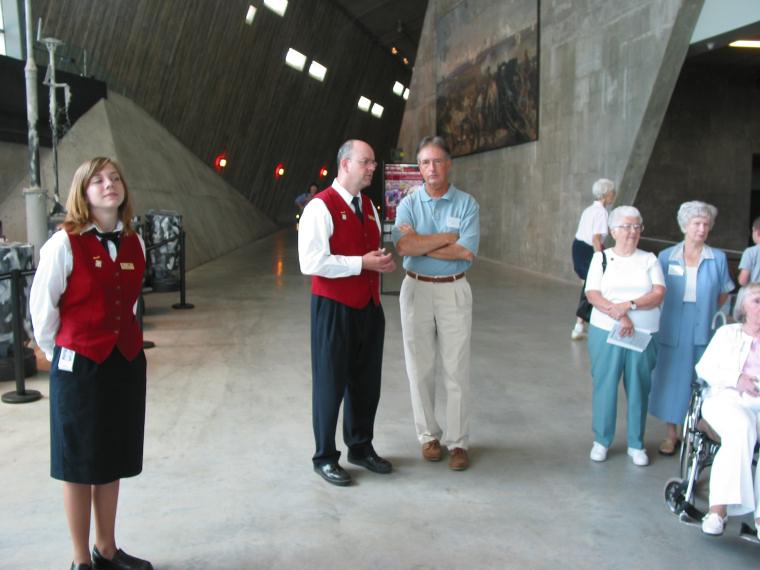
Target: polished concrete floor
228,482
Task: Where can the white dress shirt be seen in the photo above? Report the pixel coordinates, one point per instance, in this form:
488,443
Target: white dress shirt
314,231
50,280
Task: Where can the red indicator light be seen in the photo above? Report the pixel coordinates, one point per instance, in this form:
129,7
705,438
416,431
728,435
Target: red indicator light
221,161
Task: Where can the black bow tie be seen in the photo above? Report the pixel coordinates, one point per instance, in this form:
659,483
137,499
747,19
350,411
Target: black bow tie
108,236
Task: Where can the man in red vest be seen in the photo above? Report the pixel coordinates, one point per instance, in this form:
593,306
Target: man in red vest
339,246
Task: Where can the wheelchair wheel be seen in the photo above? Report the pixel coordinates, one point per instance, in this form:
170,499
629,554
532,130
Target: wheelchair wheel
675,495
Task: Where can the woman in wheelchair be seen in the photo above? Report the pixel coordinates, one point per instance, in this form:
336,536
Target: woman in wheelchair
731,366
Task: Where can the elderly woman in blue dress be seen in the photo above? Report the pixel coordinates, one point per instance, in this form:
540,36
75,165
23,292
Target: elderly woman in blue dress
626,287
698,283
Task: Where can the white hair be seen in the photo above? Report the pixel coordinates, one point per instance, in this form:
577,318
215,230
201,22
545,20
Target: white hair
617,215
696,209
740,314
601,187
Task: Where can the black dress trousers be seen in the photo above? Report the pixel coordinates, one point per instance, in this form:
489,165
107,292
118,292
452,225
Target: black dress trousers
346,362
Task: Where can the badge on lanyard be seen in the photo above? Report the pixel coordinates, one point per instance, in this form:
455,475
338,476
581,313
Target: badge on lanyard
66,360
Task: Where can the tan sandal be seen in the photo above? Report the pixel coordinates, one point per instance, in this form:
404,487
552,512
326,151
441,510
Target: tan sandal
668,447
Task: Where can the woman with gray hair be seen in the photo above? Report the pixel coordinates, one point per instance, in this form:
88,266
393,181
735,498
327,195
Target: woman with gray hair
730,365
626,287
592,229
698,283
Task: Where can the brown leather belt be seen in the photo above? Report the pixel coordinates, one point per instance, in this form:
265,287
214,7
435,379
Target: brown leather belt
438,279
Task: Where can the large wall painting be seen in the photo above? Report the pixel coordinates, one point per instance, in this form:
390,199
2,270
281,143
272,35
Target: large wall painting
487,76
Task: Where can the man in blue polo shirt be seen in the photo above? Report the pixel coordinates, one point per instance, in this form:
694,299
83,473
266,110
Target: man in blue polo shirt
437,231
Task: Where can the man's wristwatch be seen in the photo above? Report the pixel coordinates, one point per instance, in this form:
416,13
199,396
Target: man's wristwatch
634,306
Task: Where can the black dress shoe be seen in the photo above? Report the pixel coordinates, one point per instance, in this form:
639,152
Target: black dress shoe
120,561
373,462
80,566
333,473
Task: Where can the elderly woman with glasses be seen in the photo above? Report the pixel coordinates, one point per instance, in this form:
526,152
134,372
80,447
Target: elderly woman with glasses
730,365
626,286
698,283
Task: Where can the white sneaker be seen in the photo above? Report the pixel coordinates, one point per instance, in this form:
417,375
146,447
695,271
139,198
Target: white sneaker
578,333
639,456
714,524
598,452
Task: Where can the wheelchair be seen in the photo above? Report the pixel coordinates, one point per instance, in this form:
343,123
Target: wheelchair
699,445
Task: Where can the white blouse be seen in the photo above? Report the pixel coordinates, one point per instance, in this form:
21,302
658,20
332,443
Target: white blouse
625,279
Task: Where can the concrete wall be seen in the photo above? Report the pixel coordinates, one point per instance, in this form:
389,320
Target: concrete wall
161,174
704,152
607,70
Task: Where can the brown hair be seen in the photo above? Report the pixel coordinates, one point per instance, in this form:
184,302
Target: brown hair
78,213
437,141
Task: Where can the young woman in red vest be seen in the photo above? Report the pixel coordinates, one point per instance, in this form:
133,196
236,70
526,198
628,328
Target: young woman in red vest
83,302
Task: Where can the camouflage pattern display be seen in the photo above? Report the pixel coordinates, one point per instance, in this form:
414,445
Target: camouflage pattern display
14,256
163,261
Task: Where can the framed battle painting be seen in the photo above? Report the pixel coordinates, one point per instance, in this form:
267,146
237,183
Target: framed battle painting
487,93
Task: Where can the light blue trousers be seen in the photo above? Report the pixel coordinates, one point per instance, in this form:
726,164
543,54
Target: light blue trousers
608,362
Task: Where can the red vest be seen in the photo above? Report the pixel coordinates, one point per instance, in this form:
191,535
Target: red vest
350,237
96,308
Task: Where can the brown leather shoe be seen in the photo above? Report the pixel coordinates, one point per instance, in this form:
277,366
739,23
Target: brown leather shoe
459,460
431,450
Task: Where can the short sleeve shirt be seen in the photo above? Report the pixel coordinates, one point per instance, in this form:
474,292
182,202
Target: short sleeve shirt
593,221
626,278
751,261
455,211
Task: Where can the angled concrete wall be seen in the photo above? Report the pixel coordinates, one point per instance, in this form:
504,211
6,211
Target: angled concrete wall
161,174
607,70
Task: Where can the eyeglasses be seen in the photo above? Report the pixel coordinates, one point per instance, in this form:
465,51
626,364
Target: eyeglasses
433,161
365,162
631,227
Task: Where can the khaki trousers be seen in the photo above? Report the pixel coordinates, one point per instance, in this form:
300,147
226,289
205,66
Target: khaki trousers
436,322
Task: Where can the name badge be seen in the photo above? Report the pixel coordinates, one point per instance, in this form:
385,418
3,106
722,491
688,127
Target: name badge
127,265
98,262
675,269
343,216
453,222
371,217
66,360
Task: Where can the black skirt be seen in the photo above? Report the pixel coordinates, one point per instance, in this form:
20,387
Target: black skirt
97,419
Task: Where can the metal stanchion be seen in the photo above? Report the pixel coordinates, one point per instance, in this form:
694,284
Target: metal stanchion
182,304
21,394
